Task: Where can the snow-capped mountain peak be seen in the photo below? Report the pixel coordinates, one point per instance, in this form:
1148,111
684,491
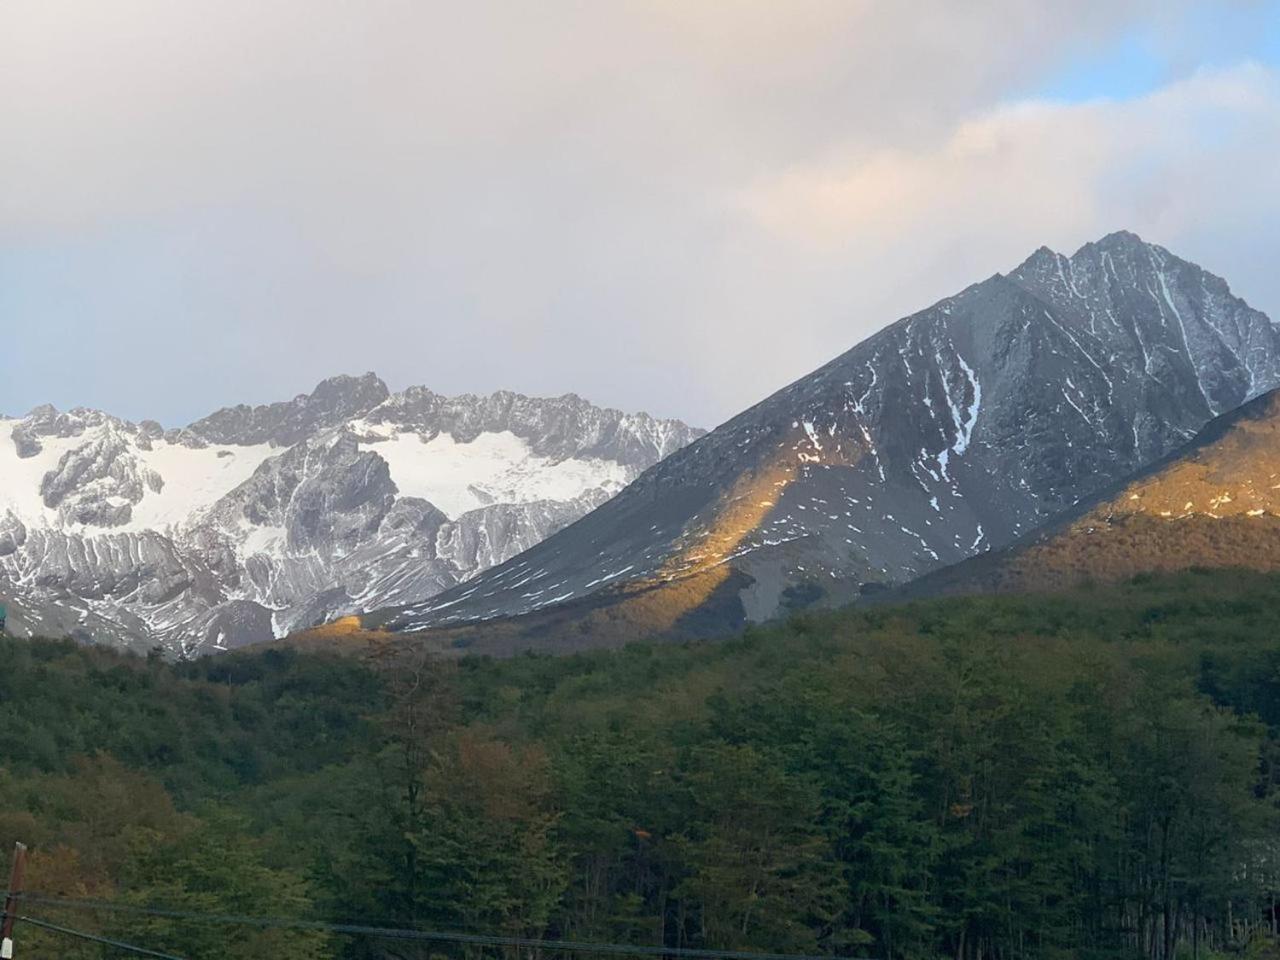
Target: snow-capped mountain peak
255,520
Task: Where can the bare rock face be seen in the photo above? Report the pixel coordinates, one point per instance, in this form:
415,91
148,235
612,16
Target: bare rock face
98,482
259,520
25,443
13,534
1214,502
949,433
333,402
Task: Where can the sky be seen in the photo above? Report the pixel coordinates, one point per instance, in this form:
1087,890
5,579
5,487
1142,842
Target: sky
675,206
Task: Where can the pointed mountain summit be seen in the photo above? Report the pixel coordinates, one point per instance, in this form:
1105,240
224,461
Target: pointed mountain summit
951,432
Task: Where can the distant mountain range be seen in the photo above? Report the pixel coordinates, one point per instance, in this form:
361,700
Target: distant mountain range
1043,421
952,432
257,521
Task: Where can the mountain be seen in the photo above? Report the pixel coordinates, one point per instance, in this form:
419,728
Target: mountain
953,431
256,521
1213,503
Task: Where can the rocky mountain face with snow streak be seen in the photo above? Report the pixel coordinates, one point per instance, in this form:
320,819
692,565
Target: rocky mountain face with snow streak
951,432
256,521
1214,502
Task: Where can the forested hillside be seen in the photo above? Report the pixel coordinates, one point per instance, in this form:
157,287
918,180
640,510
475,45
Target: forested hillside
1089,774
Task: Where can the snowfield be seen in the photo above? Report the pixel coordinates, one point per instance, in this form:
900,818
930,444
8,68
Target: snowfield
493,468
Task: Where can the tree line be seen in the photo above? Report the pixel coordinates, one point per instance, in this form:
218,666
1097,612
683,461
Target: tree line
1089,774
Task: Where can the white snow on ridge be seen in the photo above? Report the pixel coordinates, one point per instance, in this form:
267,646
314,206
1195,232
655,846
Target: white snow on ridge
492,468
456,477
965,419
194,480
971,414
263,539
20,479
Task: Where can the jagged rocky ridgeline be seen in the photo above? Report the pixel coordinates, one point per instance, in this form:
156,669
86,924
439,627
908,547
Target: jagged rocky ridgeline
259,520
951,432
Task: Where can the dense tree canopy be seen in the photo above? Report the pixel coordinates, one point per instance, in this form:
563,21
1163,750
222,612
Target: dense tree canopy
1088,774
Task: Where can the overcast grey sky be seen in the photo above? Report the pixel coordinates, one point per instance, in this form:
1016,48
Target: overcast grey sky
672,205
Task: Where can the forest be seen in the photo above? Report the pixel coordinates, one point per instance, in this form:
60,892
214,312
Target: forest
1094,773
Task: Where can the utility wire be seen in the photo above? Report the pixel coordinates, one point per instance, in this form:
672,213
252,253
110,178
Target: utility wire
107,941
397,933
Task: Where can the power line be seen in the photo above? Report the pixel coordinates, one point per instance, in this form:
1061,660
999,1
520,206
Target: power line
94,938
398,933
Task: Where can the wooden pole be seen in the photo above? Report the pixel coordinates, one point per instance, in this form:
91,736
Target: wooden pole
16,873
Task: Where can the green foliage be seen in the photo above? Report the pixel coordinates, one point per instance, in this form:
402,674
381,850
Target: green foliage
1087,774
216,868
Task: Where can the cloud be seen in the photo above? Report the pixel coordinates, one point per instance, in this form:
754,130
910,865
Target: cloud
1046,169
148,104
864,235
666,205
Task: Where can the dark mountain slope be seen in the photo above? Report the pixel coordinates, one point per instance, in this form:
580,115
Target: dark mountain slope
1213,503
953,431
